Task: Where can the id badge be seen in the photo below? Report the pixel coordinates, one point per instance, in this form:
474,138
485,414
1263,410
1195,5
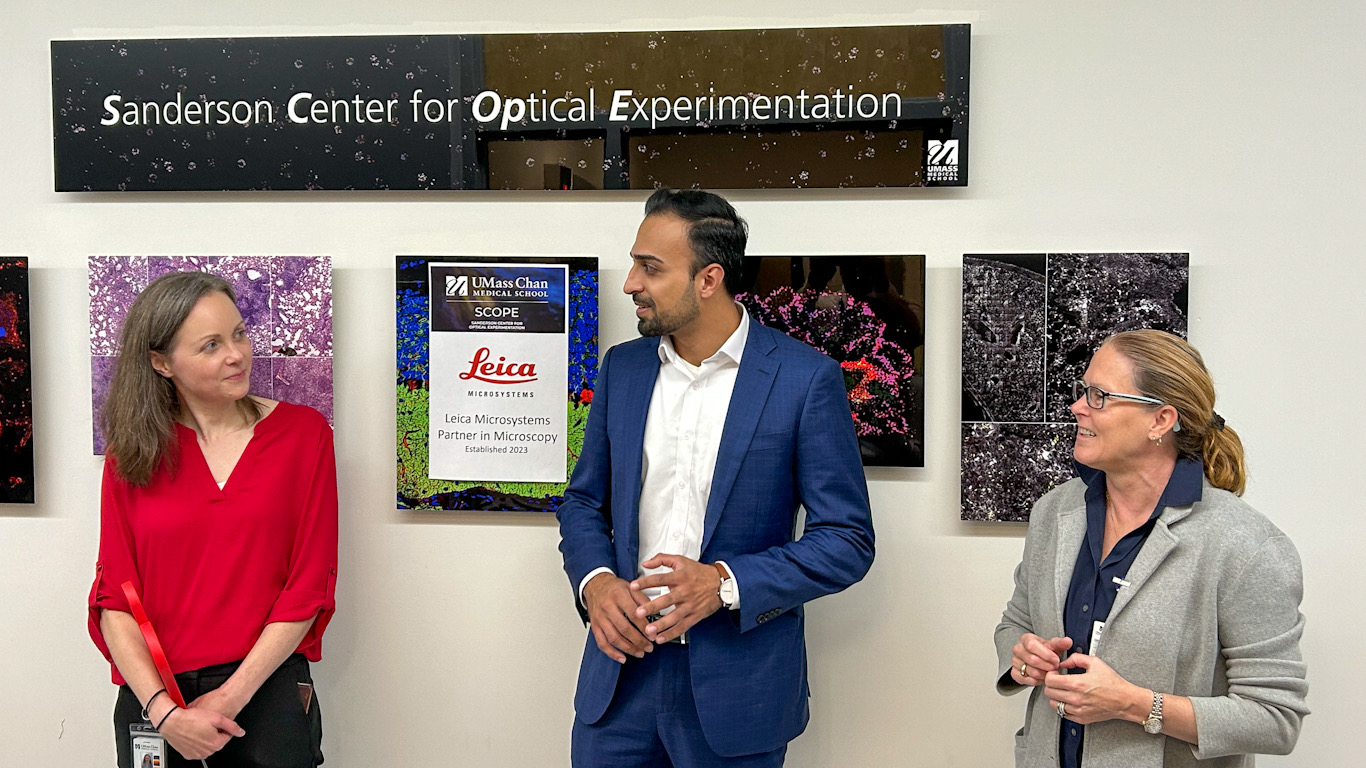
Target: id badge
149,748
1097,628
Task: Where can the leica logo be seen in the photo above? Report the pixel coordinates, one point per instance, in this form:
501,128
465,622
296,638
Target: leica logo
501,372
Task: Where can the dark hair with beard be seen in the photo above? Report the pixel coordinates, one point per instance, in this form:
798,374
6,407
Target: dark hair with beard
716,233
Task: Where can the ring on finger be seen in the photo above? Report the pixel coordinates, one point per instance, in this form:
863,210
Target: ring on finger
1024,670
1062,709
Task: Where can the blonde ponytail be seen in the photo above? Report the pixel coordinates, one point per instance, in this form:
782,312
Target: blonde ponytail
1168,368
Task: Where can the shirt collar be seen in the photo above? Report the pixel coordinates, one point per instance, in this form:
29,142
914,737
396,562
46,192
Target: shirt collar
1185,486
733,348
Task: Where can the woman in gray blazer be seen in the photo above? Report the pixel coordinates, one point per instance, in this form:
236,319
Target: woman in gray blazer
1155,619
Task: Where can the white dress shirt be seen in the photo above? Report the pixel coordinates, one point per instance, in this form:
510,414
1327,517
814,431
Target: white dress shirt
682,439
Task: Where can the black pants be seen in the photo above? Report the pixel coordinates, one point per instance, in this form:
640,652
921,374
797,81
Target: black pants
280,734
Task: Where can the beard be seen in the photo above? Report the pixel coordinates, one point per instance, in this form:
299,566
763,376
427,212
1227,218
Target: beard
661,323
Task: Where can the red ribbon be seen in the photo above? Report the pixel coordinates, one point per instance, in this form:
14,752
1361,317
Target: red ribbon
163,664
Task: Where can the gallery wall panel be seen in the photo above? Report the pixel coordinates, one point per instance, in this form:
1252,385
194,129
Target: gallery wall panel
285,301
416,488
868,313
16,385
1031,323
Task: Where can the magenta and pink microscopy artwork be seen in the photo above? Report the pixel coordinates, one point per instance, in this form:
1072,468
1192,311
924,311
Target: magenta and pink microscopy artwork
16,385
286,302
868,314
1030,325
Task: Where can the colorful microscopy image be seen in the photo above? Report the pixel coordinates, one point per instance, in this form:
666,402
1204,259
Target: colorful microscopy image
286,302
868,313
16,385
1030,325
415,490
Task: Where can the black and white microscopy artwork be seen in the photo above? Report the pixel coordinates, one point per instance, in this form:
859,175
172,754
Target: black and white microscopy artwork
1030,325
1003,338
1008,466
1094,295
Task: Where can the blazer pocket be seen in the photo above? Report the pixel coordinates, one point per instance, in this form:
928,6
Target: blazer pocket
773,441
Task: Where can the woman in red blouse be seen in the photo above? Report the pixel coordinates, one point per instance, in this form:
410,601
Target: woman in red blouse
221,509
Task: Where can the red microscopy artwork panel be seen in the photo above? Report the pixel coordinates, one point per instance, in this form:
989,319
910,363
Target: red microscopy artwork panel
16,385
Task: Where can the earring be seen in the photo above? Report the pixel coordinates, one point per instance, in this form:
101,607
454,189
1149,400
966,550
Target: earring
1155,438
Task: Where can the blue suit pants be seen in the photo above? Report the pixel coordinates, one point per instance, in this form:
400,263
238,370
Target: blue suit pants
652,722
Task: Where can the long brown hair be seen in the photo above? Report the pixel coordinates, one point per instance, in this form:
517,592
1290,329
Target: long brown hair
1168,368
139,414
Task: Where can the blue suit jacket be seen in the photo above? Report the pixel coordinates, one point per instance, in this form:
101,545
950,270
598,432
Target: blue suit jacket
788,441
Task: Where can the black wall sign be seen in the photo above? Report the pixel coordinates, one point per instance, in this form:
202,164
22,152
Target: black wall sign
726,109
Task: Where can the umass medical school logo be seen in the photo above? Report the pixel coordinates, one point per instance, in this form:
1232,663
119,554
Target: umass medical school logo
457,285
501,372
941,160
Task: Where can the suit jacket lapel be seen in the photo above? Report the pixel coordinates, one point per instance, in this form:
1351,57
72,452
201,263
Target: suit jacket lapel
639,372
1071,533
1159,545
752,385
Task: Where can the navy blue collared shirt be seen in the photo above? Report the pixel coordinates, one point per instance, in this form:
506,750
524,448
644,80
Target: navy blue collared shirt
1096,580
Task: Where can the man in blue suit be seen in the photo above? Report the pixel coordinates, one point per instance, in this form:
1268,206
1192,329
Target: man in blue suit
678,526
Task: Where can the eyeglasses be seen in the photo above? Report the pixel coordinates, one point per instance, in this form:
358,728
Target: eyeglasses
1095,396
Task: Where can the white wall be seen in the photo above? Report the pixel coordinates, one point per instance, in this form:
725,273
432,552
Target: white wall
1228,130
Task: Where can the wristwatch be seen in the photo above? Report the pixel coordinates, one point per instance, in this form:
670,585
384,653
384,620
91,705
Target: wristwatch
727,590
1153,724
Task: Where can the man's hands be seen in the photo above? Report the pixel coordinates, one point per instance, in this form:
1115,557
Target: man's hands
692,592
612,607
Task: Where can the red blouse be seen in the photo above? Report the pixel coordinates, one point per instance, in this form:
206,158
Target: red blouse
214,566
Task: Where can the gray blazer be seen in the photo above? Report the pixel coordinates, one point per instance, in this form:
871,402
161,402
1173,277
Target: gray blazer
1211,612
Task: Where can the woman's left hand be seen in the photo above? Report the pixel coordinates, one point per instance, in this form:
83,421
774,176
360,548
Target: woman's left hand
221,701
1097,694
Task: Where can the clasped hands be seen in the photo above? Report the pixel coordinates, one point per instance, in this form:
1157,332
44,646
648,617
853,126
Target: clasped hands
202,728
1095,695
618,610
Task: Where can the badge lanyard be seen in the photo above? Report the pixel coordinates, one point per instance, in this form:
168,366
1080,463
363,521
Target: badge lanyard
159,659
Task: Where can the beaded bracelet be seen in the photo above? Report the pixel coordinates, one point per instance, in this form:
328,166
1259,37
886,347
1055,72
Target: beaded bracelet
145,714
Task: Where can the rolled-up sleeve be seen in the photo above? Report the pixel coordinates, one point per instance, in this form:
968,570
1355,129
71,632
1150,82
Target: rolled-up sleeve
1260,626
310,586
117,562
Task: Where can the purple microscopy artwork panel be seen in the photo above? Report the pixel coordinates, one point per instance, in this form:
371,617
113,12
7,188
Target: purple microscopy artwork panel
114,282
1031,323
16,385
303,380
301,316
286,302
252,278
